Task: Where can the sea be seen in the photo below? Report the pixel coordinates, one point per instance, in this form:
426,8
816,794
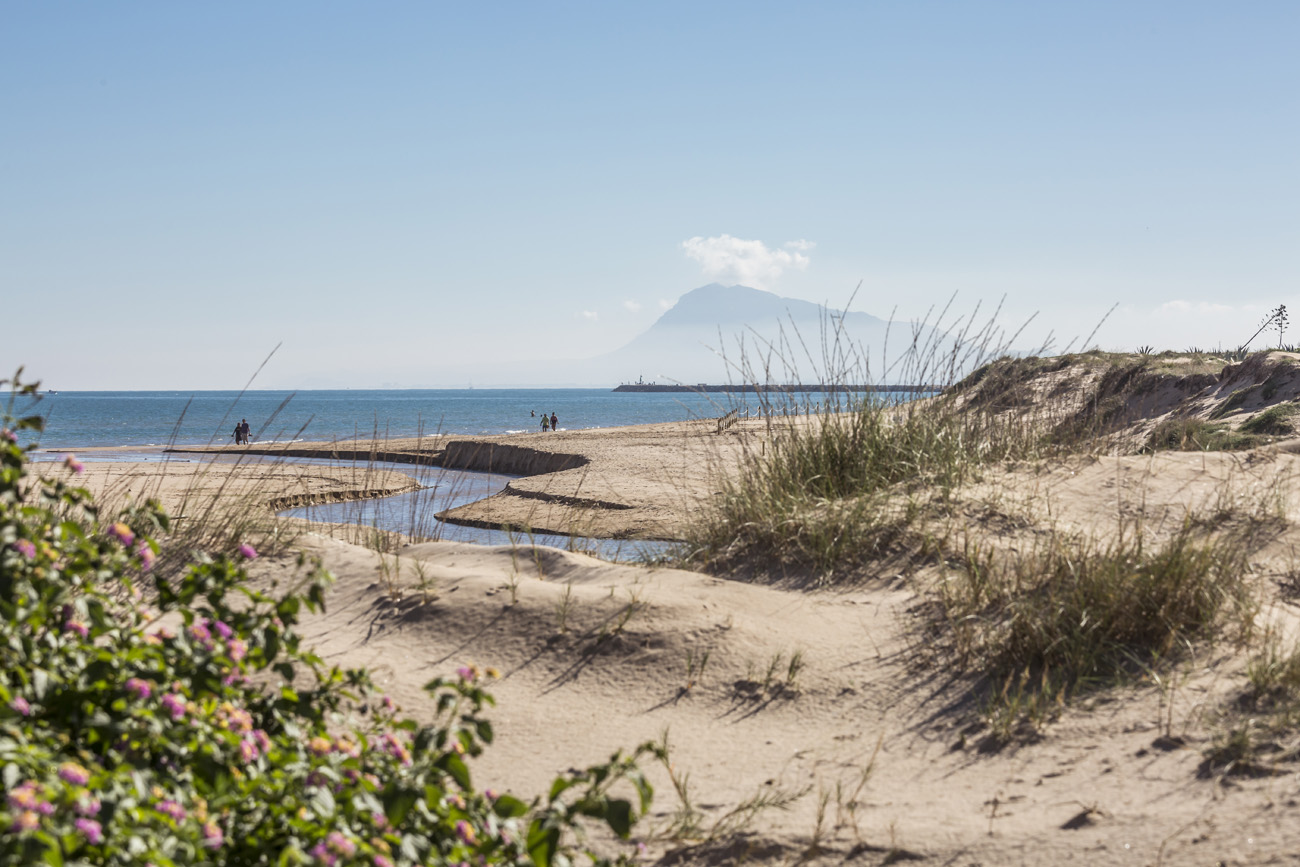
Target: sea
154,420
80,419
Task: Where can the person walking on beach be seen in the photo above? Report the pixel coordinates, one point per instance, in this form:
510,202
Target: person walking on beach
244,429
238,434
555,422
545,423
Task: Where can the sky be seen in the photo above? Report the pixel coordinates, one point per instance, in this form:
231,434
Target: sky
394,194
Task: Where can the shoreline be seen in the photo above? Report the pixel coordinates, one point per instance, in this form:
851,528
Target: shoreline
631,482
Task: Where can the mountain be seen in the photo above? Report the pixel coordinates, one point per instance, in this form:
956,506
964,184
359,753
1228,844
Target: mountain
735,333
719,334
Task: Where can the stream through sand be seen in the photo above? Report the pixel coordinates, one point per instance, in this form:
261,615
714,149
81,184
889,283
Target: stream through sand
414,513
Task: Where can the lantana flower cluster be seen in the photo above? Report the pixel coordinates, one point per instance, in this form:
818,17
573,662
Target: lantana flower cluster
144,718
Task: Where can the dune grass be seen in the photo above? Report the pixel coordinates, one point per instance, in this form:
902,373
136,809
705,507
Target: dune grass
833,490
1079,614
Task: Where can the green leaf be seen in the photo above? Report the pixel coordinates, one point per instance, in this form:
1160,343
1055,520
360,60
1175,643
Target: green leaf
53,854
508,806
484,728
619,817
398,801
455,765
560,786
542,843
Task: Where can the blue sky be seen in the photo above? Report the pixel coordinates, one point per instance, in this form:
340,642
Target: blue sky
397,192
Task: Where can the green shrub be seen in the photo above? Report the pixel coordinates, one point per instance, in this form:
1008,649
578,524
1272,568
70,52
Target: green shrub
174,721
1198,435
1274,421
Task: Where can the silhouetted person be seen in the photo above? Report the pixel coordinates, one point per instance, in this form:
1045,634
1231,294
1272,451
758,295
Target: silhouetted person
555,422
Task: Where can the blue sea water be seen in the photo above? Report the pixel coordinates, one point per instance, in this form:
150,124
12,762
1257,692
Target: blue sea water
79,419
151,419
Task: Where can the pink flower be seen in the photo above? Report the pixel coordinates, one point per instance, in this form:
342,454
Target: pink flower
26,548
212,835
146,555
71,462
322,854
388,704
466,673
76,626
174,704
71,772
6,434
466,832
122,533
89,806
339,845
139,688
25,797
27,820
20,705
237,649
247,751
263,740
171,810
394,748
222,629
90,829
381,861
247,551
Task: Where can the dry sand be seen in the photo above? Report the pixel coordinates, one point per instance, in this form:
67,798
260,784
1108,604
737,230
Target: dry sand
867,728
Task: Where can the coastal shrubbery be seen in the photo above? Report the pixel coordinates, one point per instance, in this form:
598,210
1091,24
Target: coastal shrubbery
169,720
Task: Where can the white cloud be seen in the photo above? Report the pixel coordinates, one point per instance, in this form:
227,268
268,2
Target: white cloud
590,315
666,303
633,306
801,245
752,263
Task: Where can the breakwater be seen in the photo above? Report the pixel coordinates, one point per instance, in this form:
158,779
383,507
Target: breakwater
752,388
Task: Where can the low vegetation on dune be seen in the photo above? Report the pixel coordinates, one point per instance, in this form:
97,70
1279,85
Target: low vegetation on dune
882,488
172,717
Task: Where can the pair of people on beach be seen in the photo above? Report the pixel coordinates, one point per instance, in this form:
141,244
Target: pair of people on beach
241,433
551,423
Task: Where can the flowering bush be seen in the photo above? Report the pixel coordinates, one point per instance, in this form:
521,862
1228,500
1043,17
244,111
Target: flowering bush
178,721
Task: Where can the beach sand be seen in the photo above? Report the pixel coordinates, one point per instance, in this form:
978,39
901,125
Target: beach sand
829,707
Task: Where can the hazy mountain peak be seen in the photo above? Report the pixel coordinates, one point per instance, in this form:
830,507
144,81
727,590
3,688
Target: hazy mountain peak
731,307
717,305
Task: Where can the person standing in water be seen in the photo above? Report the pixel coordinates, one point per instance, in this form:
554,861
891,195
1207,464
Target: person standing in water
555,422
545,423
